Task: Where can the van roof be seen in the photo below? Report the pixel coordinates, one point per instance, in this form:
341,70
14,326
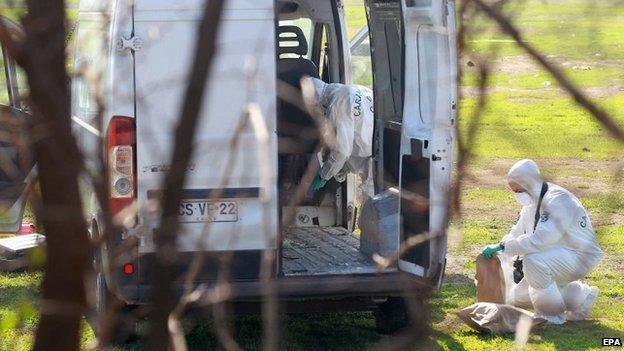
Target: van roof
199,4
95,6
106,6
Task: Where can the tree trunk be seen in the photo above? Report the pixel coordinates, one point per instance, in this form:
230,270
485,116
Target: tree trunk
42,56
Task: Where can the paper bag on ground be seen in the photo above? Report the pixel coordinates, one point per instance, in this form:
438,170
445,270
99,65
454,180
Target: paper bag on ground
490,280
487,317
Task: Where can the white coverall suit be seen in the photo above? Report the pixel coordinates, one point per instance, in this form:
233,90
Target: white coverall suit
350,109
561,250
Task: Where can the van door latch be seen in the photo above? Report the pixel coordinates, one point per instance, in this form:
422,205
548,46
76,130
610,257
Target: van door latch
435,158
133,43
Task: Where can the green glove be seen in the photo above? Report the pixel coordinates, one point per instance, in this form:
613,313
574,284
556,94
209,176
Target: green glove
318,183
490,250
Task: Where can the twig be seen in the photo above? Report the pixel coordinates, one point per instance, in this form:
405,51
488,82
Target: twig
165,236
599,114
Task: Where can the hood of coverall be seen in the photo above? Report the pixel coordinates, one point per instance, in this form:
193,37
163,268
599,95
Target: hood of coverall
318,99
527,174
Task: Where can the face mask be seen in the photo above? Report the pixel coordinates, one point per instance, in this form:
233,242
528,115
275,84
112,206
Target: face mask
524,198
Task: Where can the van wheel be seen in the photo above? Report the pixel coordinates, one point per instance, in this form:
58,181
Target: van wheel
391,316
112,320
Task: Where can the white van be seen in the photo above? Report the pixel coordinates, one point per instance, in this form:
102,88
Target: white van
142,51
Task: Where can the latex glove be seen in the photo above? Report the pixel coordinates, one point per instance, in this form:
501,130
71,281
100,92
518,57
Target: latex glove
490,250
318,183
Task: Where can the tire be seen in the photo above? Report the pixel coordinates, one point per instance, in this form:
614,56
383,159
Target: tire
121,324
391,316
117,316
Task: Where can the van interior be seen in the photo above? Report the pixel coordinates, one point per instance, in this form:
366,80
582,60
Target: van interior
321,239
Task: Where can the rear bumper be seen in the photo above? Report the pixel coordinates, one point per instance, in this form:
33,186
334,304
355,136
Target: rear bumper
308,287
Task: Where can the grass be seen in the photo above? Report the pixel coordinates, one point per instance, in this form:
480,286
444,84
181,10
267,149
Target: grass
526,116
572,29
582,75
18,291
515,124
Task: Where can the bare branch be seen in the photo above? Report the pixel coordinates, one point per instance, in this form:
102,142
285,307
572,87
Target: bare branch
600,114
165,236
42,55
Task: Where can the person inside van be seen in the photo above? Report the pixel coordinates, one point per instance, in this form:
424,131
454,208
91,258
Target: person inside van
557,244
349,109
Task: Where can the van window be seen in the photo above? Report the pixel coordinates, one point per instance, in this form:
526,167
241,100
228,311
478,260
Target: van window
324,54
23,92
359,43
306,26
386,28
4,82
89,64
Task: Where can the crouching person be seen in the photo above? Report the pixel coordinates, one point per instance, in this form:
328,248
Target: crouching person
557,244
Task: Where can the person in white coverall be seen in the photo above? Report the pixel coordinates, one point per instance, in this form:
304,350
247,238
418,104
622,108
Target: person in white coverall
558,244
350,110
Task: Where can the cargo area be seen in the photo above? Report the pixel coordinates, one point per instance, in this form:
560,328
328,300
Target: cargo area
323,251
320,240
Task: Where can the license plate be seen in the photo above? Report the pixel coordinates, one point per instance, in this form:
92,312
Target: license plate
197,211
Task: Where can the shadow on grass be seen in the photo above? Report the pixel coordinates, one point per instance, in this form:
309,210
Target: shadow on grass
356,330
582,335
18,297
18,312
337,331
11,297
460,292
326,331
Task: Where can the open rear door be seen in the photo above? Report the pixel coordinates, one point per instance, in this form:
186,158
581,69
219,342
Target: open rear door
17,170
414,62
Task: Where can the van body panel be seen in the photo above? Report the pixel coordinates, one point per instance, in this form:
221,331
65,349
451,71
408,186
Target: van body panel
98,6
429,113
17,171
111,71
311,287
168,30
414,74
253,6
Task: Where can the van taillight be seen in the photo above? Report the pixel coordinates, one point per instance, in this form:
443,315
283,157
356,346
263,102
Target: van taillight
121,162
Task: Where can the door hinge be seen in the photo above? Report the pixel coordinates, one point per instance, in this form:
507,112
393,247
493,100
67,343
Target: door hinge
132,43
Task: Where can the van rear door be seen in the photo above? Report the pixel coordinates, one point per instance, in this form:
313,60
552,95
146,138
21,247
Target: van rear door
244,216
413,49
17,170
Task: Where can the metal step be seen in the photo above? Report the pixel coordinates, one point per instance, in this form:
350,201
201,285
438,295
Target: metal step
19,244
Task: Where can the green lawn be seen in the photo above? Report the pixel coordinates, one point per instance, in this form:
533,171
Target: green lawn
526,116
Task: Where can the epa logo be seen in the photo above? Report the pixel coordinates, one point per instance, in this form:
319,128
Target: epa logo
612,342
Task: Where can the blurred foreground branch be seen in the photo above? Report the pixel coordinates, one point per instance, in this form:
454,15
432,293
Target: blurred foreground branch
42,55
165,236
465,144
